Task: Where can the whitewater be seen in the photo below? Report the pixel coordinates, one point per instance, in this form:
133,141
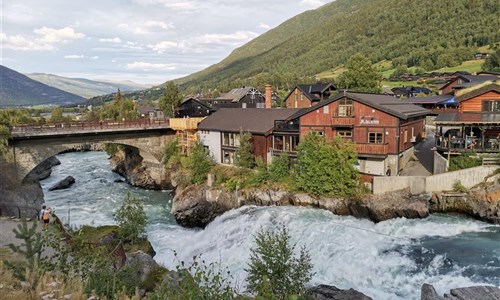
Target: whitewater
387,260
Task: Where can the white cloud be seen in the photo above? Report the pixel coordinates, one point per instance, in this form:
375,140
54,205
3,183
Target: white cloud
132,45
74,56
45,39
115,40
163,46
187,6
312,3
148,27
158,24
53,36
94,57
145,66
264,26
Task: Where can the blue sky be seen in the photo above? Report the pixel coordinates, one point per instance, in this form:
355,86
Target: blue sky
146,41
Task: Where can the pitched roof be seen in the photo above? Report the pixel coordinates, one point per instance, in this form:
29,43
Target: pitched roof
309,90
195,100
235,95
385,103
479,89
254,120
438,99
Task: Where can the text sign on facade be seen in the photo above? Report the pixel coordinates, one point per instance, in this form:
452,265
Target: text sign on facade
368,121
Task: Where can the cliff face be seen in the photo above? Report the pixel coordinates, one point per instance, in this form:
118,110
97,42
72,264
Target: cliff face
129,163
23,198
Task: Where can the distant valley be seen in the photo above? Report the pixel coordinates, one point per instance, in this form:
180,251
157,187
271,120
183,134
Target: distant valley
85,87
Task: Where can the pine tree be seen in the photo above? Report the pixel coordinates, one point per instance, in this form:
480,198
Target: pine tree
243,156
170,100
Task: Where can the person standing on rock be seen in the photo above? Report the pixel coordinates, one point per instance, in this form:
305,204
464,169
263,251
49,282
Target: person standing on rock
45,216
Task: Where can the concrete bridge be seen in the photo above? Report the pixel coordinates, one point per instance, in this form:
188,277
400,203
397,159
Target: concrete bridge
32,144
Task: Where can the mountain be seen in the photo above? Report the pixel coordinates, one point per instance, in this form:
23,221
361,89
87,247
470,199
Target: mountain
85,87
427,34
20,90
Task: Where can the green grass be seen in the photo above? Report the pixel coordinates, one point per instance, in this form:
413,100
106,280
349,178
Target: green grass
470,66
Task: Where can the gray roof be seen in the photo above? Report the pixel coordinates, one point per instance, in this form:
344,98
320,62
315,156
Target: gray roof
467,118
429,100
235,95
386,103
475,79
254,120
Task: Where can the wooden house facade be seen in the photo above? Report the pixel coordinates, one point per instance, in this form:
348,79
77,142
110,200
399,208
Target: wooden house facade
476,125
307,95
193,108
382,128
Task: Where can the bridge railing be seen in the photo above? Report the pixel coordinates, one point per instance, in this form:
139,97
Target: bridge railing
87,126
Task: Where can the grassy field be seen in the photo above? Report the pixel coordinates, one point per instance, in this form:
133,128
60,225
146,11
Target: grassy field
470,66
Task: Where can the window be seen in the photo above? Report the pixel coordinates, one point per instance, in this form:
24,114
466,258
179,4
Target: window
405,136
345,108
227,157
375,137
326,109
413,132
491,105
301,97
345,133
286,143
230,139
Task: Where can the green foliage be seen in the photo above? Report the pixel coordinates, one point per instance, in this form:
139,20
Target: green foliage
459,187
111,149
198,281
279,168
243,156
120,109
464,161
492,63
274,271
199,164
4,140
170,100
171,150
132,219
326,168
261,175
56,114
360,76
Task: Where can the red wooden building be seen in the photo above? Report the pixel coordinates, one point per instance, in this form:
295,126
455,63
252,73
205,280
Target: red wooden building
307,95
382,127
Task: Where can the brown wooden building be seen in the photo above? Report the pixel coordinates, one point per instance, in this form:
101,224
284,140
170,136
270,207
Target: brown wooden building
382,127
476,127
462,81
244,97
307,95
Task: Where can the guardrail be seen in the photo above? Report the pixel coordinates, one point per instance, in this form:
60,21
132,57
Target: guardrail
35,129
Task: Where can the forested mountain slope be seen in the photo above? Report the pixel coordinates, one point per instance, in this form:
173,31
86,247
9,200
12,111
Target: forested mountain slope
426,33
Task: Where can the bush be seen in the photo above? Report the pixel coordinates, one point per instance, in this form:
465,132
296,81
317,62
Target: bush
243,156
171,150
199,163
274,272
132,219
464,161
261,174
326,168
459,187
279,168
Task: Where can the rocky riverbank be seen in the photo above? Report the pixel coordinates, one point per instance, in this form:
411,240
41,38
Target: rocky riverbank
196,206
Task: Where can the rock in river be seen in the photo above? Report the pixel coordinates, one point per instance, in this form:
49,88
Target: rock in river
63,184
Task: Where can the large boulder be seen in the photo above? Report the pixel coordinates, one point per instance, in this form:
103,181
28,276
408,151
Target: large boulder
63,184
327,292
467,293
42,171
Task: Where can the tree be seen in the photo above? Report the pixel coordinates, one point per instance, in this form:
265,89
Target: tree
170,99
199,163
274,272
279,168
326,167
492,63
56,114
132,219
243,156
4,139
360,76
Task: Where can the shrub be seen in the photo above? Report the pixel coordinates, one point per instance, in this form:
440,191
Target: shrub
464,161
199,164
132,219
326,168
279,168
243,156
274,272
171,150
261,174
459,187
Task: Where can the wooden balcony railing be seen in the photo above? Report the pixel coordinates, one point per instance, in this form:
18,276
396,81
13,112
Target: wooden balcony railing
372,148
185,123
343,121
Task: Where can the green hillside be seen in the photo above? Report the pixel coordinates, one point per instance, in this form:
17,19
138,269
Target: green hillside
426,34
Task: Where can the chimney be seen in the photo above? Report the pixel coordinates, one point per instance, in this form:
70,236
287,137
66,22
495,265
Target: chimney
269,102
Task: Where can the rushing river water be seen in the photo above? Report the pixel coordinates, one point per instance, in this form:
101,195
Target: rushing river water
388,260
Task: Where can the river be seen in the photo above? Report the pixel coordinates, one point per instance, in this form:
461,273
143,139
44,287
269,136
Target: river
388,260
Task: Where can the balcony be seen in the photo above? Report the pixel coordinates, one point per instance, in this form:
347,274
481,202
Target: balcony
343,121
369,148
185,123
286,126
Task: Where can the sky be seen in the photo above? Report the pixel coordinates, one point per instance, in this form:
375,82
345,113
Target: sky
145,41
